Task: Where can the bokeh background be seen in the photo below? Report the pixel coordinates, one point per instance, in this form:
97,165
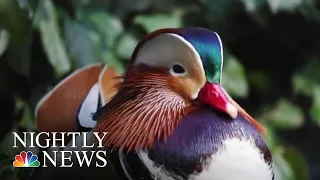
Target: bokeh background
271,49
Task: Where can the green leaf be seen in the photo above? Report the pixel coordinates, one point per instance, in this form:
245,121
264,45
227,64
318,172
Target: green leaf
6,145
315,108
160,20
113,61
133,5
282,169
29,5
219,11
127,43
284,5
46,21
305,80
127,6
260,80
251,5
14,20
104,30
15,34
78,42
284,115
257,11
7,171
107,26
233,77
28,121
4,40
310,10
297,163
303,84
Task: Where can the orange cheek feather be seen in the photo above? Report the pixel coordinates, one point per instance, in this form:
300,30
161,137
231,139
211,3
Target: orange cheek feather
184,86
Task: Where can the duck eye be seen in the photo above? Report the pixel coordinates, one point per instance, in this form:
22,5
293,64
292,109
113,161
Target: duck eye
178,69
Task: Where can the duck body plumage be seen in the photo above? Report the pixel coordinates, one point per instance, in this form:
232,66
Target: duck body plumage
152,135
207,145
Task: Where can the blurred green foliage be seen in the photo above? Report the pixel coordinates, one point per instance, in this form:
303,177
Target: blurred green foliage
42,41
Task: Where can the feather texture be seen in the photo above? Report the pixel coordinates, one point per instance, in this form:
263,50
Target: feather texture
144,110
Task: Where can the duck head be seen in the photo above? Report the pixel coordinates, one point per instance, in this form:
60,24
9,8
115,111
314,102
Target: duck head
194,59
172,72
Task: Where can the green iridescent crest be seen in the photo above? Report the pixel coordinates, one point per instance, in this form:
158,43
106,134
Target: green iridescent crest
209,47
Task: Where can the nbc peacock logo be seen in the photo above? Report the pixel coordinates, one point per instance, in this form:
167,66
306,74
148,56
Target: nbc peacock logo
26,159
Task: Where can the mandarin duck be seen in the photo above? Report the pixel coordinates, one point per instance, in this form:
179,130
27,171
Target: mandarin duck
167,117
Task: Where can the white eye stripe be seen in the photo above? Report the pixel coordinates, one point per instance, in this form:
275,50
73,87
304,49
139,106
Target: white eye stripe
161,50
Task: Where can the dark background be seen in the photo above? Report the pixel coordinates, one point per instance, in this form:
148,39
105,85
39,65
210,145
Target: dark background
271,50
